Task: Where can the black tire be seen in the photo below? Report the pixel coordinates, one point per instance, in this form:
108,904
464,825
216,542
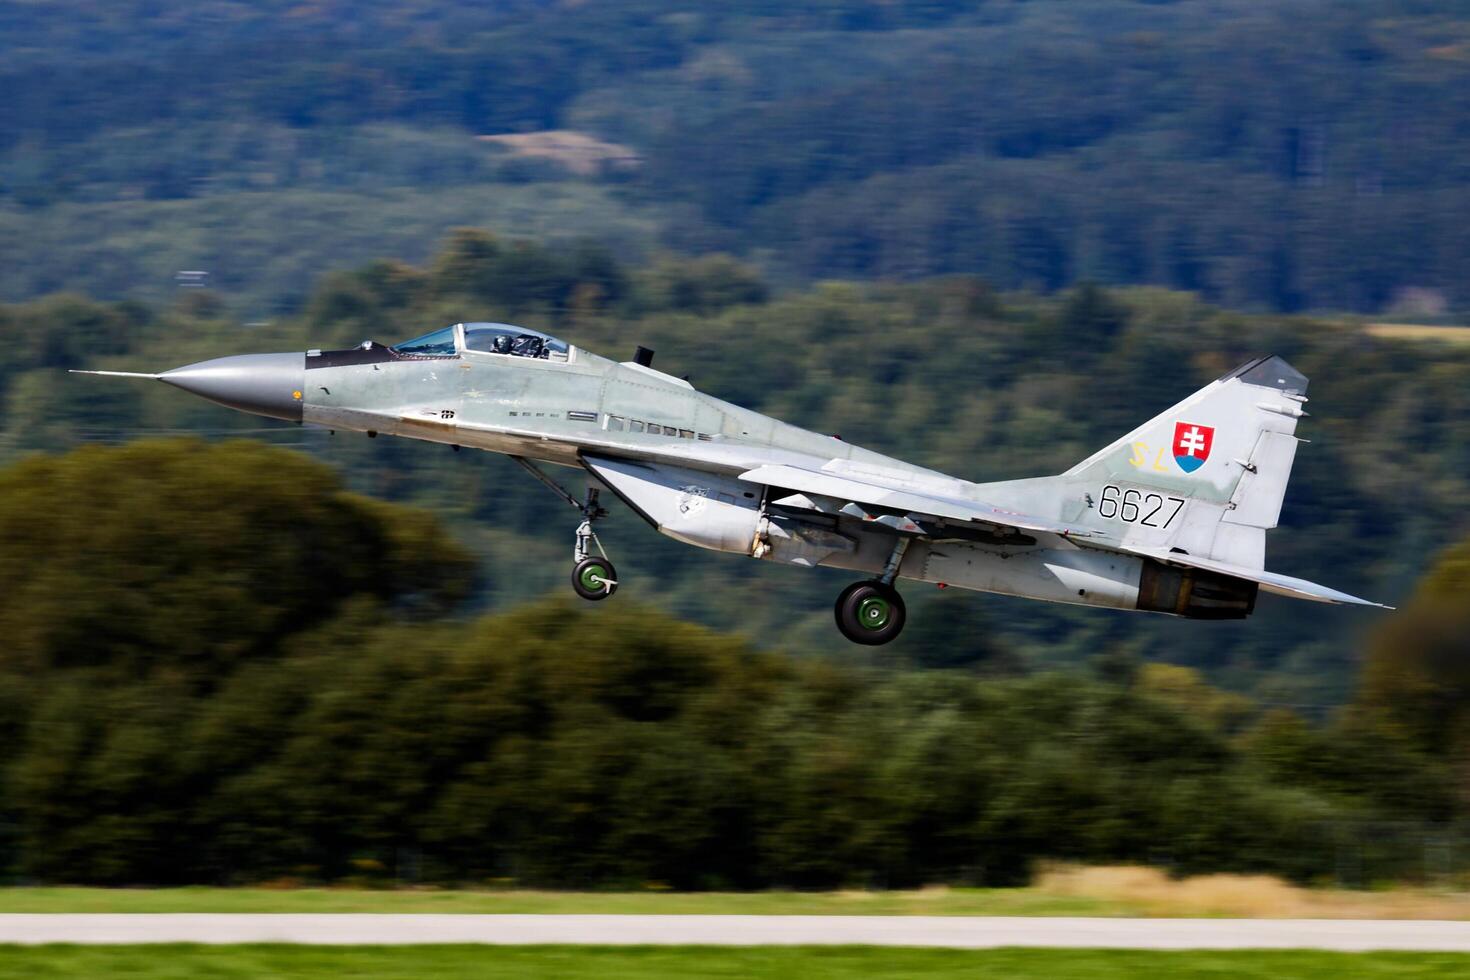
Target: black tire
588,576
870,613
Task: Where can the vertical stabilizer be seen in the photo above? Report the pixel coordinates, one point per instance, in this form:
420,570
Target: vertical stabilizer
1206,477
1225,451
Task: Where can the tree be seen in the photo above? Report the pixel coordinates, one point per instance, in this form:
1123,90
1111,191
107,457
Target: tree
1416,680
197,557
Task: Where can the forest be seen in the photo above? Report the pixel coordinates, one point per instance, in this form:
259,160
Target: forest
1273,156
221,666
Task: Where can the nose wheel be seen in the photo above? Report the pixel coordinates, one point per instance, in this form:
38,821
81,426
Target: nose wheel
870,613
594,578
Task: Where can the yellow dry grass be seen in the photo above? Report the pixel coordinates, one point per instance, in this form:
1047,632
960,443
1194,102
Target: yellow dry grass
1247,896
1416,331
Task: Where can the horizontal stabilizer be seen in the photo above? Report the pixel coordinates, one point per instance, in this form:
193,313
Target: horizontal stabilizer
911,501
1296,588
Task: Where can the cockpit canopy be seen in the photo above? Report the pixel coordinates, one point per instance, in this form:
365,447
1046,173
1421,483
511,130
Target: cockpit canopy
440,343
488,338
502,338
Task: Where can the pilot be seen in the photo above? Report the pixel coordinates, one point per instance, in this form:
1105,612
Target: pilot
528,345
501,344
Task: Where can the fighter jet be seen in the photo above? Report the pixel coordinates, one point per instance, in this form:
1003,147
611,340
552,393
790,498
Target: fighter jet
1171,518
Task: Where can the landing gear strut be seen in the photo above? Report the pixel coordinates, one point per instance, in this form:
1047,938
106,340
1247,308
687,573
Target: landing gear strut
593,576
872,613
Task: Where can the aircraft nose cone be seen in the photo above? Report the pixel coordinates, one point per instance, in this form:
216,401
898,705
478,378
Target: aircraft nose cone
262,384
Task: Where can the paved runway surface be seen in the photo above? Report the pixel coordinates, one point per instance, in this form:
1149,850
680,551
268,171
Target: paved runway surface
743,930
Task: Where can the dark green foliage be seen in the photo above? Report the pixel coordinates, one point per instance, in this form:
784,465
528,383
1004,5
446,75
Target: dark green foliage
1351,758
704,285
560,745
527,748
196,557
1416,681
1090,318
65,332
210,675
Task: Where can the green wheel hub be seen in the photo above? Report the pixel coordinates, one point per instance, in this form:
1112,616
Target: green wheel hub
870,613
594,577
874,613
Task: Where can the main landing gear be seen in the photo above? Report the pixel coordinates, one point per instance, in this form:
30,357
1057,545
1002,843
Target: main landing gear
872,613
593,576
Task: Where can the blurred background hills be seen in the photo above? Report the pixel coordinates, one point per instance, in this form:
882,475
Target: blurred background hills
1266,155
985,237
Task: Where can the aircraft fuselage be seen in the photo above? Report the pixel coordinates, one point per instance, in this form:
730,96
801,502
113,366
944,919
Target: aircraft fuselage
1127,528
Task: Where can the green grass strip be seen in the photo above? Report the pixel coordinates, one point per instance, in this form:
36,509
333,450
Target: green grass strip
176,962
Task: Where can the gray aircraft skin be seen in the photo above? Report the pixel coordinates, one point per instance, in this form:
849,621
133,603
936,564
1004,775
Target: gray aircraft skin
1171,518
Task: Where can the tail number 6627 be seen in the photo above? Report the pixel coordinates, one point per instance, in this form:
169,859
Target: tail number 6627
1134,506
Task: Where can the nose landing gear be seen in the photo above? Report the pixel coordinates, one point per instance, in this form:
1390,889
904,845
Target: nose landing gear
593,577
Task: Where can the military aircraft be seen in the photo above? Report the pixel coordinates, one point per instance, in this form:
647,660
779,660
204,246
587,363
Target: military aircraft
1171,518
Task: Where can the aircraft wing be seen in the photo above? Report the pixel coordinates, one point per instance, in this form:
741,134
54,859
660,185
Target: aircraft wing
852,494
1296,588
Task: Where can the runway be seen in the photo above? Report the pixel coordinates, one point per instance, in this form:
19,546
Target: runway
956,932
